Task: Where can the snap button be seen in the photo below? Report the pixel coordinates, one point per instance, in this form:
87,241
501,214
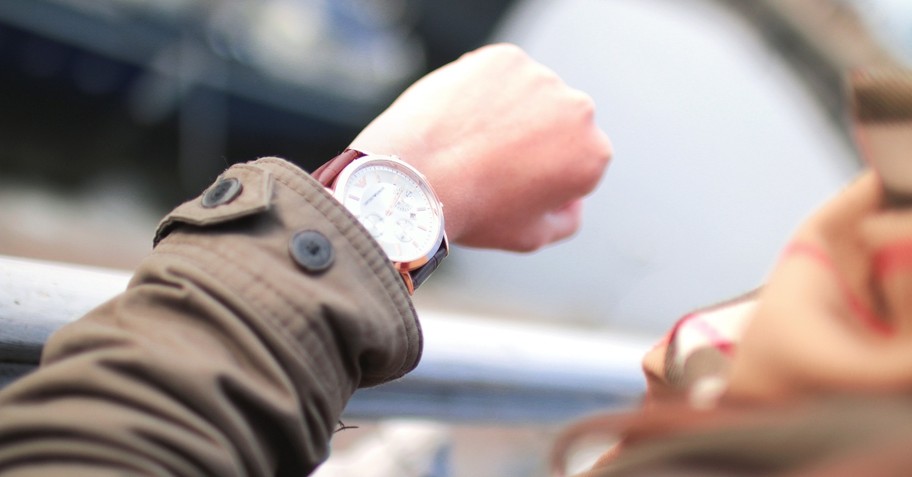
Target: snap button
311,250
224,191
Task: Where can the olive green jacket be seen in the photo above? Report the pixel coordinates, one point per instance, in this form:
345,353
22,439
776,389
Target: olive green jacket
234,349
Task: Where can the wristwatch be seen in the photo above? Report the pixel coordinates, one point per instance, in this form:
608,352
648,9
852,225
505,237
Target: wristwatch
395,203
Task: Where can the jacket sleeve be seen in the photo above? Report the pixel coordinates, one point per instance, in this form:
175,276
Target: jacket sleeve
234,349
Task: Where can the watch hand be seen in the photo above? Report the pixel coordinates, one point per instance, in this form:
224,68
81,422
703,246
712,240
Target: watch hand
372,197
395,201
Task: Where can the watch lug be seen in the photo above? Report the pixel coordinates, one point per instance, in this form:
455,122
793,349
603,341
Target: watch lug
409,283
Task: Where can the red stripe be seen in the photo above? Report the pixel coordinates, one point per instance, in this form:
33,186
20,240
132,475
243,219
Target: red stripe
720,342
893,258
713,336
862,312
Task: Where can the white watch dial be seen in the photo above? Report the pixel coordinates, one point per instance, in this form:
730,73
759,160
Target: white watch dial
396,207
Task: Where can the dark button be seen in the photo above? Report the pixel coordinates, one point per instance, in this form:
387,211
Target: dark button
224,191
312,250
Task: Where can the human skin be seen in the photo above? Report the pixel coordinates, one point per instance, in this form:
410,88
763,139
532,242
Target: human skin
836,313
509,148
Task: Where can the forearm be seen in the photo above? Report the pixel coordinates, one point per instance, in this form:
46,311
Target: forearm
225,356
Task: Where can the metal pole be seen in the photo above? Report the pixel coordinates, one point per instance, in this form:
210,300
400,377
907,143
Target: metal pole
472,369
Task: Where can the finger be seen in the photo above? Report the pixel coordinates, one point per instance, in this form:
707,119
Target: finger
860,198
548,228
888,234
893,275
887,227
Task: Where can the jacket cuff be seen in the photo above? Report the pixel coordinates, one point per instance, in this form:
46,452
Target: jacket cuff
268,233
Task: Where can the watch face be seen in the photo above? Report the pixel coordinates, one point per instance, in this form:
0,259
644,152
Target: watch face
393,201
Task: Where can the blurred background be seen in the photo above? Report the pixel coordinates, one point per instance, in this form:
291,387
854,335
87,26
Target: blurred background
727,118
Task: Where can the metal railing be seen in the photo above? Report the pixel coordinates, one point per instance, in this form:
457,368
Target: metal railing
472,369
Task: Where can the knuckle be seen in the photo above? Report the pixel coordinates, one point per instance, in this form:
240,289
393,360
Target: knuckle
501,52
593,164
549,77
584,104
604,148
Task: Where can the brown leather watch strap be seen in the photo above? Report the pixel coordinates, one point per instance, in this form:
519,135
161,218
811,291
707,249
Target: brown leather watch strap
420,274
328,172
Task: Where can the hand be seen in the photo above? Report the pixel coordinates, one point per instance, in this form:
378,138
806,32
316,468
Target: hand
836,314
508,147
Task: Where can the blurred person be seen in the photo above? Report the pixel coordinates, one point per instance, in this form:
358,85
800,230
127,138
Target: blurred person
266,302
811,374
